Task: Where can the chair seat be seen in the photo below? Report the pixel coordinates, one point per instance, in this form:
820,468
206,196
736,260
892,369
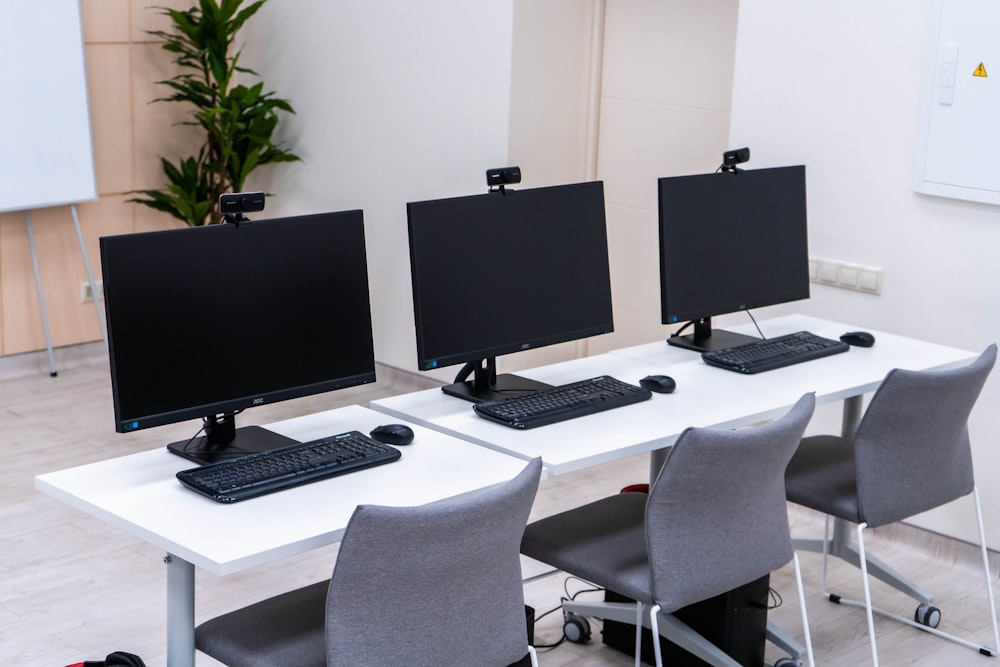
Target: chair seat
603,542
822,476
287,629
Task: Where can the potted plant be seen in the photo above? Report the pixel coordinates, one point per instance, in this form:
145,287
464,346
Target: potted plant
238,119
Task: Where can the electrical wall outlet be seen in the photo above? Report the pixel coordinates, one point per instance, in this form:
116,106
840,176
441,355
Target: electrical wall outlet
845,275
86,295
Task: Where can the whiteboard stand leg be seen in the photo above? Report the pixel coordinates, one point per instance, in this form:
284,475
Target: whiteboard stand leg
90,274
41,295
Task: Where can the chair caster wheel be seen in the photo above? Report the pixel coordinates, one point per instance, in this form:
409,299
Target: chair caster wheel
788,662
927,614
575,628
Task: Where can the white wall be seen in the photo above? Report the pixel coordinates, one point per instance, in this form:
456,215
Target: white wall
836,86
396,101
397,104
555,81
665,96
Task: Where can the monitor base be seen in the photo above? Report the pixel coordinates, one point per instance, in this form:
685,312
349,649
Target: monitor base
503,386
718,339
247,440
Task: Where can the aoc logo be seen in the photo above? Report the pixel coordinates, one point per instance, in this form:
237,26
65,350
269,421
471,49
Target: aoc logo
258,401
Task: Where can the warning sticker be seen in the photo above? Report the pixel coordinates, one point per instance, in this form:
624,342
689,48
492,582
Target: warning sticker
980,71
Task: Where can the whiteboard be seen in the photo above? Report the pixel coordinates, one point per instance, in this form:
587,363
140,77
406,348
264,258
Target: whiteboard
46,152
959,134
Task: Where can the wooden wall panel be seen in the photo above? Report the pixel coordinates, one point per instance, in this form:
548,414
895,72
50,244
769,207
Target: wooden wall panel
105,20
157,132
109,80
22,323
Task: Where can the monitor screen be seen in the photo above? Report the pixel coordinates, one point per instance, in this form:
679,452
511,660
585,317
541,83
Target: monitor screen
204,322
730,241
500,272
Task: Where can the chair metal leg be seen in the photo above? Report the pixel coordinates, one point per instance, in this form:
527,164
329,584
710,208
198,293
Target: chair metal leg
868,593
986,570
623,612
672,628
840,546
654,627
802,607
677,632
639,607
533,655
870,610
784,641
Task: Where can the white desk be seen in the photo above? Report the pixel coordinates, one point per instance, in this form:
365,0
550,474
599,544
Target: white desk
140,494
705,396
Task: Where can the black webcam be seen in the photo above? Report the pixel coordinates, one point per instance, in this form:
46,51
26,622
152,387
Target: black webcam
503,176
233,206
241,202
734,157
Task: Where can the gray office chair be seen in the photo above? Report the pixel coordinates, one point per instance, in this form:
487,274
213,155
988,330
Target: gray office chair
434,585
715,519
909,454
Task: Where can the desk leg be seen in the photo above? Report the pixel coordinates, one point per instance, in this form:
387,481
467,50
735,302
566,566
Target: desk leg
852,415
842,544
180,612
657,458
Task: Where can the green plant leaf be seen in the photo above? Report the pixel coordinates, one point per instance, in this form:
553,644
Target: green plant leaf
238,121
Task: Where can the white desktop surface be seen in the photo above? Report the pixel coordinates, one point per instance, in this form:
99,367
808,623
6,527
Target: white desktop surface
748,398
705,396
139,494
565,446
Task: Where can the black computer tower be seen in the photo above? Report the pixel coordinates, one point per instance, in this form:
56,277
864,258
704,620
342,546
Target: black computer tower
735,621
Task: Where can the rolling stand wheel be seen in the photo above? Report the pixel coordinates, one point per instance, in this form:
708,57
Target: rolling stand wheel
575,628
788,662
927,614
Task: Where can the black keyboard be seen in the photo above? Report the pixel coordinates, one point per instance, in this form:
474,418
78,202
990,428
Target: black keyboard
771,353
257,474
567,401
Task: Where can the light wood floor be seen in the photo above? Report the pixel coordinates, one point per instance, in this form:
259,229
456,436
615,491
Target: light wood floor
73,588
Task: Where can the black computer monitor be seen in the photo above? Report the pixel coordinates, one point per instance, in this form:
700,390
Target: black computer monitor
730,241
503,272
204,322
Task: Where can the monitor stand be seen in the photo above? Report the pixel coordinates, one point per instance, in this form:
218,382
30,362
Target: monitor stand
223,441
486,385
705,339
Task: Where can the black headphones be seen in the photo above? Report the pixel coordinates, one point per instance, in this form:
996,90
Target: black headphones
116,659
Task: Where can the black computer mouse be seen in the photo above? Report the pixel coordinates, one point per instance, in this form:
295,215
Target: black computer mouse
661,384
858,338
393,434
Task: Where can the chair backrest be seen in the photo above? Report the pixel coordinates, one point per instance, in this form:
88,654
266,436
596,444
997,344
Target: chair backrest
716,517
911,448
438,584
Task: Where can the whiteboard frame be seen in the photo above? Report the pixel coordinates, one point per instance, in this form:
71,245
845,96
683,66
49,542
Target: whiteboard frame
46,146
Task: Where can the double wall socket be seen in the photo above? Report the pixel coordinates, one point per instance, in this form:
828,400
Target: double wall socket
86,295
845,275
